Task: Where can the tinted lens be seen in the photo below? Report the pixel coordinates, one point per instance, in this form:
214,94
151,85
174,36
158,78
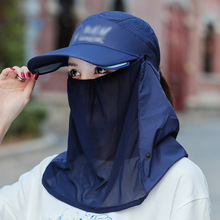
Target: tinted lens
48,68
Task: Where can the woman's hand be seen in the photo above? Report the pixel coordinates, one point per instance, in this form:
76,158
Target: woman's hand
14,94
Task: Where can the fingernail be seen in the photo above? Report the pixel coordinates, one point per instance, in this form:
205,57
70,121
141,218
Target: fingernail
28,75
12,69
22,75
36,76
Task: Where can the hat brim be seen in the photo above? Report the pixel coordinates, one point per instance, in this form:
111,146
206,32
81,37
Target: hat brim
98,55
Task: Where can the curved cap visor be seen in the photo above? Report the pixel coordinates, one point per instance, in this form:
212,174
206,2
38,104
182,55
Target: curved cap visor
52,61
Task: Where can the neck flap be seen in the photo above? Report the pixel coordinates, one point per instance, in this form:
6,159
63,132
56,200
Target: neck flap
122,141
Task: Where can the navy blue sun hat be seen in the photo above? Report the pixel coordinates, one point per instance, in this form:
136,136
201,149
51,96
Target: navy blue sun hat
122,128
109,40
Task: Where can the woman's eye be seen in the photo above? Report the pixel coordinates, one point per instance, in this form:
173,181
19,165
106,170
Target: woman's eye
101,70
74,73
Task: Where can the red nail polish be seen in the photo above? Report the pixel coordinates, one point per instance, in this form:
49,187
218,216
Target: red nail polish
22,75
12,69
36,76
28,75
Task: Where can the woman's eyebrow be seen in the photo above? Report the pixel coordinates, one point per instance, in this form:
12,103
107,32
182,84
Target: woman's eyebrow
72,64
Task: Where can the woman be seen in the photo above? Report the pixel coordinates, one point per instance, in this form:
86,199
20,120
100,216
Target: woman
123,160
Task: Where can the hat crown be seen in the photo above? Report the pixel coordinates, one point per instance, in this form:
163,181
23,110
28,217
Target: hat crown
121,31
104,39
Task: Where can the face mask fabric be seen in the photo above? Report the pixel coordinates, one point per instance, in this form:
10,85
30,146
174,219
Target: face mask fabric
122,141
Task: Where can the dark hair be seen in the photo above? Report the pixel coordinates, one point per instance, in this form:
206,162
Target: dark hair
166,88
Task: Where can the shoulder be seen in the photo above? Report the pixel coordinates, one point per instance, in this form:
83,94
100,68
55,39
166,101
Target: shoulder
190,192
188,173
22,193
183,183
187,176
190,186
186,168
184,180
181,194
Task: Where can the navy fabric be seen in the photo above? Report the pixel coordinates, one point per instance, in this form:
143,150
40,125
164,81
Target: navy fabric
122,128
103,39
122,141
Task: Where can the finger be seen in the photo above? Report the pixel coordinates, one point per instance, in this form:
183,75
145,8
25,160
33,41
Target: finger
5,72
26,72
19,71
36,75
